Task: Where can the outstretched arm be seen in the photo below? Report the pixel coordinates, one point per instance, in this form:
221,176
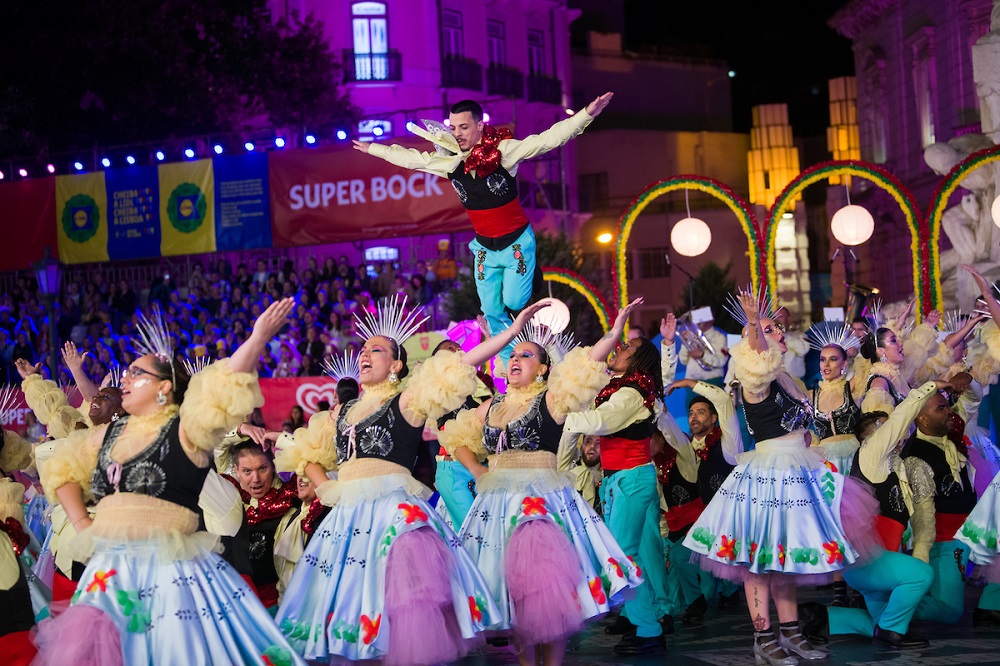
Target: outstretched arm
991,302
755,334
603,347
490,347
244,359
410,158
514,151
74,361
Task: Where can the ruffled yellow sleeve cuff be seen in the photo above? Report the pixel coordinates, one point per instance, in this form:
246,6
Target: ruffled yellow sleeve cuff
11,500
918,346
439,385
877,400
575,381
314,443
44,397
990,335
73,460
756,370
937,365
985,370
464,430
16,452
216,401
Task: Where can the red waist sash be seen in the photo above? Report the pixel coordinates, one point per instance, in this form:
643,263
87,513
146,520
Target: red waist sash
496,222
947,524
679,517
618,453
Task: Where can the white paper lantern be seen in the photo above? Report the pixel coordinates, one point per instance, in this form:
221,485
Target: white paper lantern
555,317
995,211
690,237
852,225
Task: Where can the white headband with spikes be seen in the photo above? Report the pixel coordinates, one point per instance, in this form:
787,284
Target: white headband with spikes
836,333
8,397
197,365
556,345
345,366
766,305
115,376
153,338
391,321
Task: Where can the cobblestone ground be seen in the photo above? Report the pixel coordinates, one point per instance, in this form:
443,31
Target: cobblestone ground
725,637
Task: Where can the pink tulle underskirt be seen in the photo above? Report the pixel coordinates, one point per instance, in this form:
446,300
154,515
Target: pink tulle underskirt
420,611
542,573
82,636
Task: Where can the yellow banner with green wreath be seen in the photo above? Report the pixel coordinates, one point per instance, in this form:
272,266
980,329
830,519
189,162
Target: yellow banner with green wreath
187,209
82,218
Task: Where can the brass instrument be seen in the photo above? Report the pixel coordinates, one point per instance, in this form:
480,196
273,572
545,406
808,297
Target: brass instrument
694,339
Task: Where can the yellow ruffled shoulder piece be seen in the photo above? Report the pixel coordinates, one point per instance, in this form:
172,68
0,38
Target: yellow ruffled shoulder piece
756,370
989,334
919,345
937,365
439,385
216,401
11,500
574,382
985,369
50,406
73,460
16,452
314,443
464,430
877,400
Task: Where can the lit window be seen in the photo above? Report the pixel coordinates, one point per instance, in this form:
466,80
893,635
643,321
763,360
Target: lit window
536,53
371,41
382,253
372,129
451,29
497,43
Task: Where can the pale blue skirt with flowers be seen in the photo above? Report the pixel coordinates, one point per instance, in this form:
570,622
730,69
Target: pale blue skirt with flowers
511,497
980,529
784,510
335,603
193,611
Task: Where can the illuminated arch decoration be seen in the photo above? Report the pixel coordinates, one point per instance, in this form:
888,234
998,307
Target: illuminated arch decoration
927,290
939,203
686,182
581,285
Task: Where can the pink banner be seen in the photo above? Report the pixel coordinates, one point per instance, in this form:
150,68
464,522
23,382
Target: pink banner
13,417
280,395
337,194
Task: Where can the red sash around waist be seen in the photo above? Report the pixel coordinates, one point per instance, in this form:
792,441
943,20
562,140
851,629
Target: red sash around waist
891,532
618,453
679,517
497,222
947,524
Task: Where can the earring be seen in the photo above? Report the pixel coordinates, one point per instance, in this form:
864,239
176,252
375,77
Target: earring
115,417
882,358
843,371
539,379
393,379
161,399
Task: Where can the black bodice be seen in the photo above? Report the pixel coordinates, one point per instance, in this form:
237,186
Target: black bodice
893,392
535,430
951,495
888,493
383,434
162,470
845,418
495,190
776,415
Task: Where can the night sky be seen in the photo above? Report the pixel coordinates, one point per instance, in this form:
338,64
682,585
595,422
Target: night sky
781,50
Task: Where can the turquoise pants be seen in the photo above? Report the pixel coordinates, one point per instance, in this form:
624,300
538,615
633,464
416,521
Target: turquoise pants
630,502
452,482
686,581
945,601
991,597
503,280
893,585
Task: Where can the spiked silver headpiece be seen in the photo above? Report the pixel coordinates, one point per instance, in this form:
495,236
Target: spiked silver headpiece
8,397
115,376
837,333
153,338
556,345
767,306
197,365
339,367
391,321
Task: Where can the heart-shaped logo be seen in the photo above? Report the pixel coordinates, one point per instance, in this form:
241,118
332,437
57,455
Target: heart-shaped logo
309,396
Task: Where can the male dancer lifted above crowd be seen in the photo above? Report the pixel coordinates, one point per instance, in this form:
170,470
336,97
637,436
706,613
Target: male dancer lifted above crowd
481,162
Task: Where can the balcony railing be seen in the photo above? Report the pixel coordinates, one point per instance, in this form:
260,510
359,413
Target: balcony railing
461,73
544,89
372,67
504,81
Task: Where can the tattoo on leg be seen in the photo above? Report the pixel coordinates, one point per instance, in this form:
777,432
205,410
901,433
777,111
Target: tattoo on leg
756,601
759,622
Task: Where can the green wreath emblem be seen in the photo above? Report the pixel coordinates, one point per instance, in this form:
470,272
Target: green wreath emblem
186,207
81,218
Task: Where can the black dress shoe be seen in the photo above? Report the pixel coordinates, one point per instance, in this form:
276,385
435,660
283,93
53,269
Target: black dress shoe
637,645
730,601
897,641
814,621
695,613
985,618
667,622
620,627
